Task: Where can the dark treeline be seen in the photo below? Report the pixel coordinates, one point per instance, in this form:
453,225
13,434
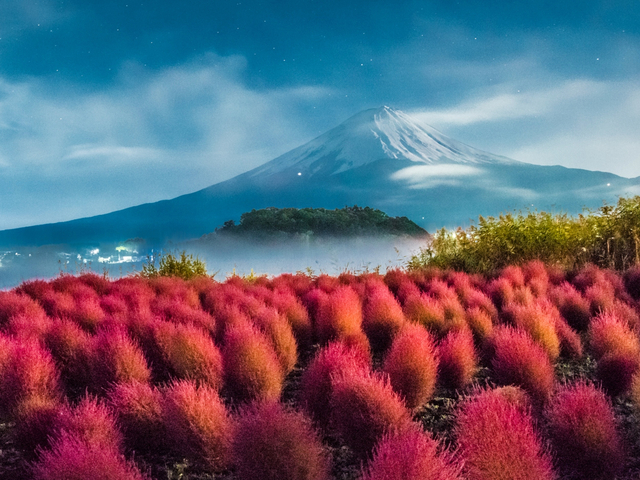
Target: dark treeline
348,221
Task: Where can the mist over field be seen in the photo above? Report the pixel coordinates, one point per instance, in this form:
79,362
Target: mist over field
223,257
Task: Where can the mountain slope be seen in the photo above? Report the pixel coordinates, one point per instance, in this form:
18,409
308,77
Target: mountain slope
379,158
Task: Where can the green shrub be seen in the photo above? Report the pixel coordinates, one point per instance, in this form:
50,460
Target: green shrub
169,265
608,237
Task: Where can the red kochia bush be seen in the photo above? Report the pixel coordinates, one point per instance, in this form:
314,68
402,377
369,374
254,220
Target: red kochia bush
338,315
26,370
426,311
480,324
411,455
518,360
272,443
412,365
608,334
583,429
189,352
250,365
382,317
296,315
70,346
458,362
316,385
35,420
138,410
13,304
574,308
91,421
364,408
497,440
538,319
277,329
198,424
617,350
114,358
71,458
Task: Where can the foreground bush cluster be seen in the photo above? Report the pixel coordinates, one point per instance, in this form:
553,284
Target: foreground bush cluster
419,375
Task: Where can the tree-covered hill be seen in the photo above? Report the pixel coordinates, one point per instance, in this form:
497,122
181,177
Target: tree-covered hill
348,221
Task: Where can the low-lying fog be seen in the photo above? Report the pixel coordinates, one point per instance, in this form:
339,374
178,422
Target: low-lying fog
223,256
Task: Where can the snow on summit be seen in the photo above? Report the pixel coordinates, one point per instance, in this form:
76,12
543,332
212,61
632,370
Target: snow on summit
377,134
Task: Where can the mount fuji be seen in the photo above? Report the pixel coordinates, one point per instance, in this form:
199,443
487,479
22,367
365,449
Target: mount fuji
381,158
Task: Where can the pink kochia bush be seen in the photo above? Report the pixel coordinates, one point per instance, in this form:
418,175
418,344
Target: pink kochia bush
382,316
412,365
71,458
458,361
198,424
316,382
273,443
276,328
364,408
518,360
250,365
497,440
411,455
338,315
617,351
138,409
26,371
583,429
189,352
114,358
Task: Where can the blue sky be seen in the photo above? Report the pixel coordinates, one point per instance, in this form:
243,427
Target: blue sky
105,105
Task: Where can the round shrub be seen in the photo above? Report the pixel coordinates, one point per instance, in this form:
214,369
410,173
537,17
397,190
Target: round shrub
410,455
338,315
609,334
26,370
497,440
198,424
583,429
277,329
382,316
189,353
364,408
412,365
518,360
114,358
458,362
138,410
426,311
251,367
273,443
316,384
71,458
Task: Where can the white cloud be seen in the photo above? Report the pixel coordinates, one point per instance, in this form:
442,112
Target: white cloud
505,106
430,176
576,123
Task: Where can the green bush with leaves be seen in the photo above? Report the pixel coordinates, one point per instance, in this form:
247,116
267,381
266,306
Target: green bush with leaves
169,265
608,237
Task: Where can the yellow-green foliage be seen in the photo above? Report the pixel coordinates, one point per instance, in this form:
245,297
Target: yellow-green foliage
608,237
185,267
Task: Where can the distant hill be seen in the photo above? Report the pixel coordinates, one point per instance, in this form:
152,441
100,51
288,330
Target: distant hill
348,221
382,158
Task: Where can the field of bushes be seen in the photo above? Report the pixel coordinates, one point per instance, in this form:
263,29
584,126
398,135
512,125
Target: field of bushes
529,373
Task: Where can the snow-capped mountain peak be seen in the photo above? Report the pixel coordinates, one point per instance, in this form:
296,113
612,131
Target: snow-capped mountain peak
377,134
